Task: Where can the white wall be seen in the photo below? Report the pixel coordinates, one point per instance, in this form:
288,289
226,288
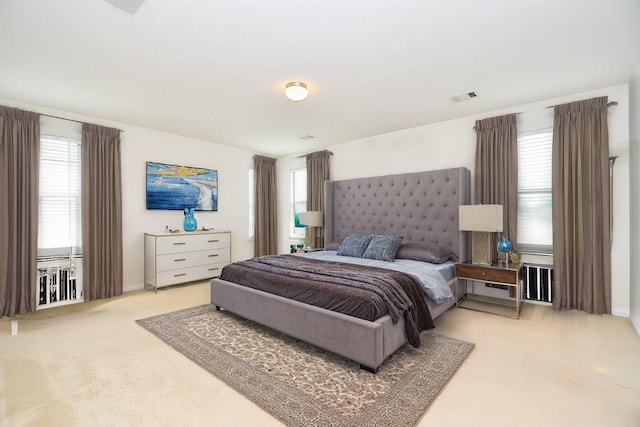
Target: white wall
452,144
634,182
140,145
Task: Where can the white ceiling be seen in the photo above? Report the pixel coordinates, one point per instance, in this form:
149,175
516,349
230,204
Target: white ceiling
216,70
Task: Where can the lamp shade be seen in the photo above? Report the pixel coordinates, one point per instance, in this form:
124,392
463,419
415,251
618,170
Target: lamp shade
296,91
311,218
480,218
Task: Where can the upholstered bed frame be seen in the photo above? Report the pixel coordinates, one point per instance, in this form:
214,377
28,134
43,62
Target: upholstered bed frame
421,206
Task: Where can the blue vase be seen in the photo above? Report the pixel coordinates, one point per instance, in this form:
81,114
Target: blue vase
504,245
189,223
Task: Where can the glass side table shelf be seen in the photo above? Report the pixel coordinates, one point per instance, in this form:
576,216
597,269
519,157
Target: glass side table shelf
499,274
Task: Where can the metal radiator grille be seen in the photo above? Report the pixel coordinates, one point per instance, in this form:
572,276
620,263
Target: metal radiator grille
59,281
538,283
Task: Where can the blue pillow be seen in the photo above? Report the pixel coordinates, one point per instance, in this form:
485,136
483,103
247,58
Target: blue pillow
383,247
354,245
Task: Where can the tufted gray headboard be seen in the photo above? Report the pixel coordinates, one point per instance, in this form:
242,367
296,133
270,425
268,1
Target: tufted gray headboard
421,206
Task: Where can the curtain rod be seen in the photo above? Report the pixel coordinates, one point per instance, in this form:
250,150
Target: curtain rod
305,155
610,104
69,120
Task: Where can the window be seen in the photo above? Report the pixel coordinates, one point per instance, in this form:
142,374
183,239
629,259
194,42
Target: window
298,179
535,232
59,215
252,206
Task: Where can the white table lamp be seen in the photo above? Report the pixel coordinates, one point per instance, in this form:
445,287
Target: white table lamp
483,221
311,219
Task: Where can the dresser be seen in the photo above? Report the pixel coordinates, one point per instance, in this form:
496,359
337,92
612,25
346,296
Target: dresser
173,258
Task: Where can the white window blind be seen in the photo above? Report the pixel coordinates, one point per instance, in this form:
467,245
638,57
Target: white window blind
60,215
298,179
535,230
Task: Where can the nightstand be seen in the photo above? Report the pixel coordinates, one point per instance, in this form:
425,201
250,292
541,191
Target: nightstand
305,250
507,275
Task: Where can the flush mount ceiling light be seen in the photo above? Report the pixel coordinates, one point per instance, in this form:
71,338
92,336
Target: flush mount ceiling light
296,91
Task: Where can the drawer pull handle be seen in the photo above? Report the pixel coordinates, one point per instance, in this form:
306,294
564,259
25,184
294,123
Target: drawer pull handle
212,255
214,269
214,241
483,273
179,259
180,274
180,243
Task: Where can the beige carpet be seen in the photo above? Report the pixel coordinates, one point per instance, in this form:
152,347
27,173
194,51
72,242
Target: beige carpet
92,365
305,386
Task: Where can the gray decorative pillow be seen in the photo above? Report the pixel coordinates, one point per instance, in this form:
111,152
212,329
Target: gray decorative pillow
383,247
426,252
354,245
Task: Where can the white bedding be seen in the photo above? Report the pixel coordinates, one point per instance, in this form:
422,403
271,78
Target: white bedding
432,277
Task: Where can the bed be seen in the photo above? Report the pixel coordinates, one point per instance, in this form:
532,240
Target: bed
422,207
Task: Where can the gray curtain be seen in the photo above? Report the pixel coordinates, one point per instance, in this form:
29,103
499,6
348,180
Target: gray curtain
266,225
101,212
317,174
581,215
496,169
19,164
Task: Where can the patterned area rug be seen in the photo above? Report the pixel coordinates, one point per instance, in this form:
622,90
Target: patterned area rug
303,385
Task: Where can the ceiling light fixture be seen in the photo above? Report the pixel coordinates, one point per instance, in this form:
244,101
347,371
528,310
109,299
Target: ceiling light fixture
127,5
296,91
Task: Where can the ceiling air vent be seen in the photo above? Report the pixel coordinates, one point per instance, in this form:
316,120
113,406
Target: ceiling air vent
307,137
464,97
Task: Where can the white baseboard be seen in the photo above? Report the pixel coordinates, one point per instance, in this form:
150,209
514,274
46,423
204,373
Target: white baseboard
635,325
621,313
134,287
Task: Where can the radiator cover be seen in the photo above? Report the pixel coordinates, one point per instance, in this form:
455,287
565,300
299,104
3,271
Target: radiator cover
538,282
59,281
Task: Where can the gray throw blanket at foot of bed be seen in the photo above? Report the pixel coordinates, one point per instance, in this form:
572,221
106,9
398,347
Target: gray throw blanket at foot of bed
322,283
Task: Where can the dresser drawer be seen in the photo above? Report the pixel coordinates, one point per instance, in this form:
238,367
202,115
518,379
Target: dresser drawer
191,242
181,260
172,277
486,274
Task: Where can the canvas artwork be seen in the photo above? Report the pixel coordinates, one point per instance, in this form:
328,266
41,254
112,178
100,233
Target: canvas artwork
179,187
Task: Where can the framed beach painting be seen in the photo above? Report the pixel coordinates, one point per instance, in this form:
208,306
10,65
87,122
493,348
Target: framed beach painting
177,187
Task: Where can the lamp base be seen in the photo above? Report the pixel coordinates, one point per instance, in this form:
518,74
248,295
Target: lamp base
309,239
481,247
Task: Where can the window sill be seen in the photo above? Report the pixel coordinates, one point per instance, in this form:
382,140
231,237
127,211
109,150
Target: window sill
534,252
